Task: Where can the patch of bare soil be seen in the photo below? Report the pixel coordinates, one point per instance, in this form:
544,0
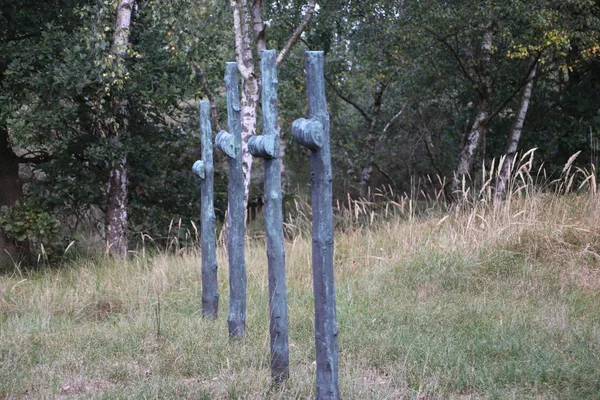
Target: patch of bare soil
589,278
79,386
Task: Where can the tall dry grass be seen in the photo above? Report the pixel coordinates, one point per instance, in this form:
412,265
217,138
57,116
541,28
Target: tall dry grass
469,301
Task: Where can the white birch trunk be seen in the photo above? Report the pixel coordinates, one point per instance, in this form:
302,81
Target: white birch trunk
513,139
258,27
472,143
250,96
250,84
116,207
480,124
247,21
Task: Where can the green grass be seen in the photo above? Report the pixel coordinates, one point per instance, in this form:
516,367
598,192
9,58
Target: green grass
487,303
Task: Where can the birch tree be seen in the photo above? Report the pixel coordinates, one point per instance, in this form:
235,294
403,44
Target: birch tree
487,54
503,178
116,207
250,40
481,78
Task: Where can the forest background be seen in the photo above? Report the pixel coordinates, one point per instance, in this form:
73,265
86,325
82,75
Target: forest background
422,96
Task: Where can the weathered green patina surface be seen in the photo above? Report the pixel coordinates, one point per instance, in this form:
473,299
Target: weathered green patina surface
205,170
263,146
231,144
307,133
225,142
267,147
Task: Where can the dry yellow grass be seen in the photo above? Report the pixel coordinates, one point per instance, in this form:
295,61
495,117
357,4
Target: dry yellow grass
472,302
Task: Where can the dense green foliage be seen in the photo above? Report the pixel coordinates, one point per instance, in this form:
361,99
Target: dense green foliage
57,88
22,222
406,79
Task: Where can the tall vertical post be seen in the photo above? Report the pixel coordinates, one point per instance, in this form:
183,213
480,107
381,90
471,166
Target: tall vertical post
267,147
231,144
314,134
205,170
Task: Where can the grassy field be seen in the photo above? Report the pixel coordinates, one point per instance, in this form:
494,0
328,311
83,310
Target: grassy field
480,303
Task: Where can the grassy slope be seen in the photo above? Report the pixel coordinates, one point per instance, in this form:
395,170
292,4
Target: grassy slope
487,303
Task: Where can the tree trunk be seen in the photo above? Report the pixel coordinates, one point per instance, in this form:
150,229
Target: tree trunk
247,21
513,139
482,114
470,146
367,169
10,191
365,181
250,83
116,208
9,172
250,90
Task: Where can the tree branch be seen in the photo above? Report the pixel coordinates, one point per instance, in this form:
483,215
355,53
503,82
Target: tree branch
257,26
238,31
456,56
394,118
427,138
246,51
382,172
528,77
482,65
36,158
377,100
296,35
214,115
358,108
20,37
121,35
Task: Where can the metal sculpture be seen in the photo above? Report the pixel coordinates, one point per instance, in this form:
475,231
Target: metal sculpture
230,143
205,170
314,134
267,147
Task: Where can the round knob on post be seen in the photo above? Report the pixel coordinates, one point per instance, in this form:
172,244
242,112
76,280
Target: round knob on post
225,142
308,132
199,169
262,146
